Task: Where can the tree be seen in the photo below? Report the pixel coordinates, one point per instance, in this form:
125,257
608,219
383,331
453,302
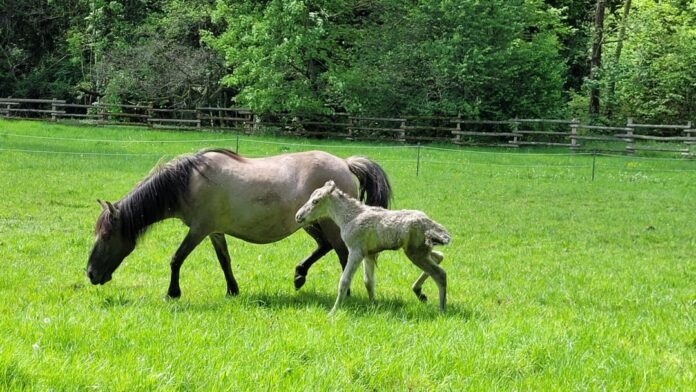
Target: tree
596,59
32,47
493,58
654,75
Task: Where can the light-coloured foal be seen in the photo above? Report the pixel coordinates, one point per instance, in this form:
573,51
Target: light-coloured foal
369,230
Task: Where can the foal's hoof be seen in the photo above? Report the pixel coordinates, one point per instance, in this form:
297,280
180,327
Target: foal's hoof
299,281
420,295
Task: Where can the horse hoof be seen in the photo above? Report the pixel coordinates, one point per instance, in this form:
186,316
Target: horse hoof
173,294
299,281
233,292
422,298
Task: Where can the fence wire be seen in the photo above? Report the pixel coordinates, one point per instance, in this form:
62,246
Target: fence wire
416,161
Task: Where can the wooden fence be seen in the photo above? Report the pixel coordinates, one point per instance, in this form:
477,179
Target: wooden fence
513,133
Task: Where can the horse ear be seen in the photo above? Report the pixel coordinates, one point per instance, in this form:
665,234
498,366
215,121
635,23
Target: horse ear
112,210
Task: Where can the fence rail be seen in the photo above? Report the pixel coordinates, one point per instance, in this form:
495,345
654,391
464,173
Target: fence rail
513,133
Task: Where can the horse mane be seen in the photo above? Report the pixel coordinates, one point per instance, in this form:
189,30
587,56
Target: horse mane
158,195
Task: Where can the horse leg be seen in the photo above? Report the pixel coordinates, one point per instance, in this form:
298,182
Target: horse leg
223,256
429,266
332,234
323,247
354,258
418,284
369,275
187,245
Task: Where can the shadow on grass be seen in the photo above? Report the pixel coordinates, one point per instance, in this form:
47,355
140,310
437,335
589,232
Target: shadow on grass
405,308
360,306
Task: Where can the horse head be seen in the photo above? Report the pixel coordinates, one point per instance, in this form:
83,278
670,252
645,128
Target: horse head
314,209
110,247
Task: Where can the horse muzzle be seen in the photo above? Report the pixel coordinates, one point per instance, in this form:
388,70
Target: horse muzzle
98,279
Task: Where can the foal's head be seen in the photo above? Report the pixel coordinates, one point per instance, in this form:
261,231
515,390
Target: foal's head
111,246
316,207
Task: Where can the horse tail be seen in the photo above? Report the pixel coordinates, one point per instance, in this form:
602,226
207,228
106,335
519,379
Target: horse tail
437,235
375,189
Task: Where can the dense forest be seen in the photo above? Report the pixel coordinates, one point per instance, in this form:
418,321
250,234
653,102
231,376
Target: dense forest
601,60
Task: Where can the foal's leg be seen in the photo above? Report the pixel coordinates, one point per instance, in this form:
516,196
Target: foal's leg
424,262
418,284
369,275
332,233
220,245
189,244
354,258
323,247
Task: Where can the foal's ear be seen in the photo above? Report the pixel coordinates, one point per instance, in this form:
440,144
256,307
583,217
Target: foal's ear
331,185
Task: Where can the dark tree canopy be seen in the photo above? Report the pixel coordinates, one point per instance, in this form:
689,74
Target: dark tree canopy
486,59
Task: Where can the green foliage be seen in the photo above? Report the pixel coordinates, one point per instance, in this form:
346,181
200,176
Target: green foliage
394,58
487,59
655,76
280,52
555,282
490,59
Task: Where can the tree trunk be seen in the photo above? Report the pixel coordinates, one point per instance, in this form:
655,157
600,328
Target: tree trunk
596,60
617,54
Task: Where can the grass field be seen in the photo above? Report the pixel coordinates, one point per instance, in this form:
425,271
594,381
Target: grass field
556,282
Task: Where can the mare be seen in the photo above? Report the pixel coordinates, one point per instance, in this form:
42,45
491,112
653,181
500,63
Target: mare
217,191
368,230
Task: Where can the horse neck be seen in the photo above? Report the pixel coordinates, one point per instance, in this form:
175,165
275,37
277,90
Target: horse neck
344,209
145,206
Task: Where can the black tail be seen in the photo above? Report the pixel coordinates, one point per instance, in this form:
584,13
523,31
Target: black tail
375,189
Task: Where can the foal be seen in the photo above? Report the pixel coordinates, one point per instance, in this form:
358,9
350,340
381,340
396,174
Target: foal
368,230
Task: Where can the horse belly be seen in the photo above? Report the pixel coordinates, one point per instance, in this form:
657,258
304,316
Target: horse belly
258,224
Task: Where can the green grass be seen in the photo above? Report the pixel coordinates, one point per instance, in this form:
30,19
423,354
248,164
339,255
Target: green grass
556,282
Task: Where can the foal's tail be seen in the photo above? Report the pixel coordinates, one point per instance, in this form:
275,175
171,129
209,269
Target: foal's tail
437,235
375,189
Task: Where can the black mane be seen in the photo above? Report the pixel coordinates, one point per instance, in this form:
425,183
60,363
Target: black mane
158,196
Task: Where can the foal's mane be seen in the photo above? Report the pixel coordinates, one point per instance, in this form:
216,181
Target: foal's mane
346,198
158,195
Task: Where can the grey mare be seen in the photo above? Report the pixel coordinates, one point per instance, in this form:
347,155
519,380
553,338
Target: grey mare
217,192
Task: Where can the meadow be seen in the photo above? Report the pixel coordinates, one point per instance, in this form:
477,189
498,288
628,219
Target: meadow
556,281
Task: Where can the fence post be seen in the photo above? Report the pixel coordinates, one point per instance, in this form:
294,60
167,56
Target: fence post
573,135
54,109
102,112
630,142
515,128
350,128
402,132
418,160
248,122
689,142
457,136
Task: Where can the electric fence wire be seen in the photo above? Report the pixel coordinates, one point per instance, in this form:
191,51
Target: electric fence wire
252,140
